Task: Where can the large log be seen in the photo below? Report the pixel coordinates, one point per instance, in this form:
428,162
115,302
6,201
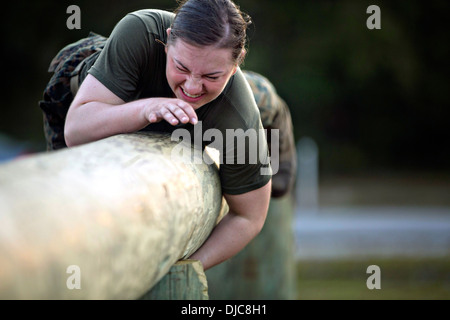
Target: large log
105,220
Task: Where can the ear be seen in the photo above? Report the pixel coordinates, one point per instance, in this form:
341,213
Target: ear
242,56
168,34
240,60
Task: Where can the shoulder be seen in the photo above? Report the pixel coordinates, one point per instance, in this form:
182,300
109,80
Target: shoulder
160,14
153,23
240,101
154,20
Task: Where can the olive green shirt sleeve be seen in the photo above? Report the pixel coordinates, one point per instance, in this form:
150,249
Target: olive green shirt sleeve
118,66
132,60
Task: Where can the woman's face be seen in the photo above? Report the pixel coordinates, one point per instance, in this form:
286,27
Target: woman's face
198,75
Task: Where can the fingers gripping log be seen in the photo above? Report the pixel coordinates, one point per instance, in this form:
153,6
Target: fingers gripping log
121,210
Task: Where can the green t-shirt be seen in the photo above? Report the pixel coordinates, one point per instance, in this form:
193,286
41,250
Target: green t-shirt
132,65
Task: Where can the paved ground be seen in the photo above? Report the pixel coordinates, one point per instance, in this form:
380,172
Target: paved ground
335,232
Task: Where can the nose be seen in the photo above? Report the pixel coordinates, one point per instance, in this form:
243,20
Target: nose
193,85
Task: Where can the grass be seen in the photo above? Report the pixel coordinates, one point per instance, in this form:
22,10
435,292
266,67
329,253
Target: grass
401,279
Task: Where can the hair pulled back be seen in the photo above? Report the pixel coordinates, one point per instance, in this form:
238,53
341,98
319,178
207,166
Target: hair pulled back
218,23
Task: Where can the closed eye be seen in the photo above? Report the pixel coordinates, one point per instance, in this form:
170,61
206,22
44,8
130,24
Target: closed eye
180,67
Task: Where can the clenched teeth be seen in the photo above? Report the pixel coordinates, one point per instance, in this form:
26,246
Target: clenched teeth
190,95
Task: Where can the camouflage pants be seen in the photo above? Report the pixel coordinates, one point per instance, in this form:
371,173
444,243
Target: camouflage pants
58,96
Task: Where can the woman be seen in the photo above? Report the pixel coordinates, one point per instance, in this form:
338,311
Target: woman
160,71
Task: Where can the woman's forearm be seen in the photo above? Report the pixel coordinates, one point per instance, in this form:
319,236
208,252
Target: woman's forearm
244,221
97,113
230,236
97,120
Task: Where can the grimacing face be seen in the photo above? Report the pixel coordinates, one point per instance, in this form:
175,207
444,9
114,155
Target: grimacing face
198,75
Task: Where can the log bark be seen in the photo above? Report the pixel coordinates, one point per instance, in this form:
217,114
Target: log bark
106,220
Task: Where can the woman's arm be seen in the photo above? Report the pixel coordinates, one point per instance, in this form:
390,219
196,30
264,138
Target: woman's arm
243,222
97,113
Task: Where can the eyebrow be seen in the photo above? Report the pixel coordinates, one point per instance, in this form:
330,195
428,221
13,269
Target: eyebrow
207,74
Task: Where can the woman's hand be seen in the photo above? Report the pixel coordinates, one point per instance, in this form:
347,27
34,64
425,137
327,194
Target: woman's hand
173,111
97,113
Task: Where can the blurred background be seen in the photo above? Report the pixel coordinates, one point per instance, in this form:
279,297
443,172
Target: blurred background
370,110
